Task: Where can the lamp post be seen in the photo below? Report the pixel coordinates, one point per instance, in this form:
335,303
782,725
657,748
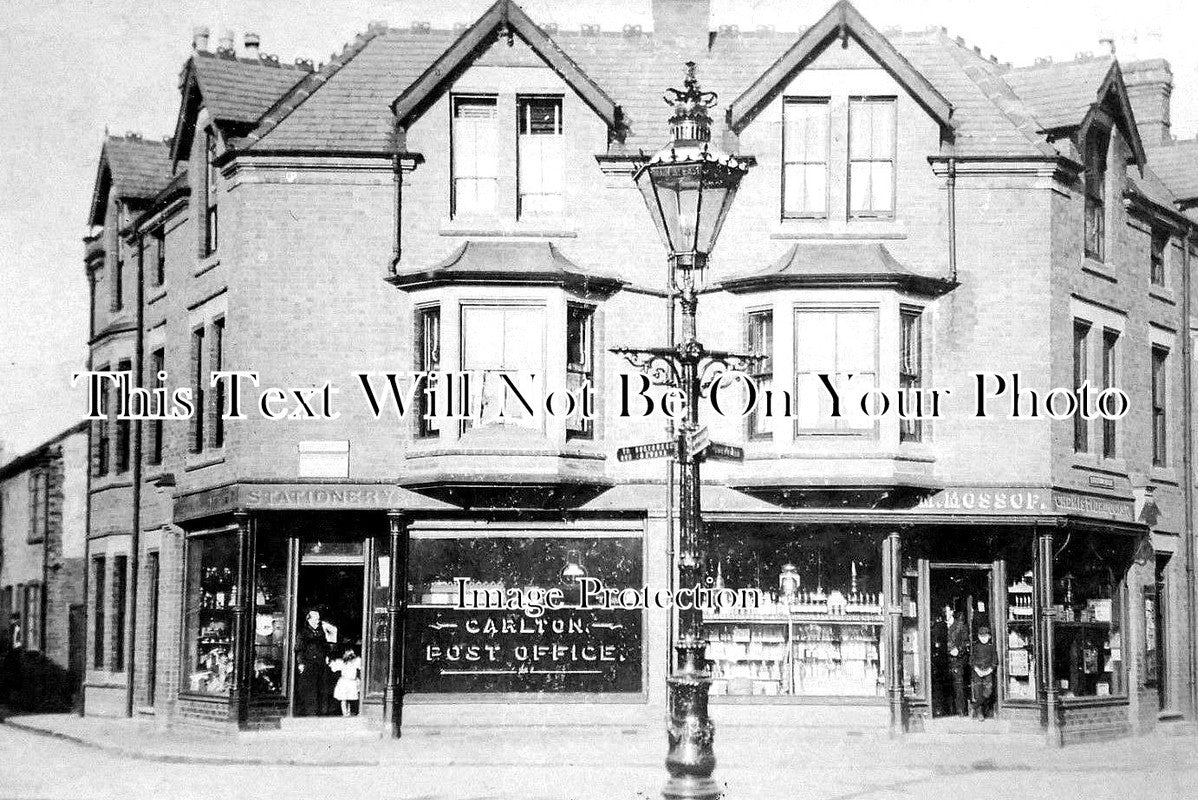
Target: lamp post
688,187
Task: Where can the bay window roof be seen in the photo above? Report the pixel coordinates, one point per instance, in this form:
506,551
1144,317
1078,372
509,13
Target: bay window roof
823,265
510,263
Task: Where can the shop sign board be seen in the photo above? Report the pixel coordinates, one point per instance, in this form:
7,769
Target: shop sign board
292,497
1027,500
452,650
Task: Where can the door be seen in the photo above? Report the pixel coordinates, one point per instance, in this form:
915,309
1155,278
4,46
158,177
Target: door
153,571
330,581
964,593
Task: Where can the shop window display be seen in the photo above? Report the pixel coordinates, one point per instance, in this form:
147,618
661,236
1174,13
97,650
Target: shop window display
1021,619
1088,640
270,625
211,597
818,631
477,649
380,623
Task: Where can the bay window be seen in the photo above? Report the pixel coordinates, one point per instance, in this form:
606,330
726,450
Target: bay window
871,156
428,359
760,342
580,365
475,164
910,368
498,340
842,345
540,155
805,157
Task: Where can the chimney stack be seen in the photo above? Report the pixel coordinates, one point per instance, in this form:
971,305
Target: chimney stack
252,44
686,22
1149,87
225,43
199,38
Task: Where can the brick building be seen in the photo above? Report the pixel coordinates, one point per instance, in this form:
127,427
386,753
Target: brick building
43,507
462,200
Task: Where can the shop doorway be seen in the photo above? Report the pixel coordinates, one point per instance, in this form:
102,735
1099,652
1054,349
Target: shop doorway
334,588
964,592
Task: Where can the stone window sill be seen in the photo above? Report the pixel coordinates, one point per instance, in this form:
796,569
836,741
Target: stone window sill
207,264
205,459
1098,268
839,229
545,228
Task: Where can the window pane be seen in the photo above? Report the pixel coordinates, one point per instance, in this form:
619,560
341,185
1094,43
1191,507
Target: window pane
541,149
211,596
475,141
805,152
270,608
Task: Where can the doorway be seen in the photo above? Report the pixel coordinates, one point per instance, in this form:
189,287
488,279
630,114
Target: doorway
964,592
336,590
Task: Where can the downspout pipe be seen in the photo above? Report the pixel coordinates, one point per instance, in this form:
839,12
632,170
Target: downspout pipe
1187,355
951,185
135,533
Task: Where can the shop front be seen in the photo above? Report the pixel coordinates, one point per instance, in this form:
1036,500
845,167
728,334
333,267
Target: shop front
894,608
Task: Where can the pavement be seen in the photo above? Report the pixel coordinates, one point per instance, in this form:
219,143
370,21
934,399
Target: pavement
65,756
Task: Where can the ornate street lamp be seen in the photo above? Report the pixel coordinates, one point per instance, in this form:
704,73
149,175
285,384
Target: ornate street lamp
688,187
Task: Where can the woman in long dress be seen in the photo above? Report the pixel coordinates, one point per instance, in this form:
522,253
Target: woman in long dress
312,651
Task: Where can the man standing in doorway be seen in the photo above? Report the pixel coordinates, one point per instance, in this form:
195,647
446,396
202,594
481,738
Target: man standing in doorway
983,658
958,655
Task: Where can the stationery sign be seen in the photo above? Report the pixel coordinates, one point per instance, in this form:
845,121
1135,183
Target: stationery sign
451,650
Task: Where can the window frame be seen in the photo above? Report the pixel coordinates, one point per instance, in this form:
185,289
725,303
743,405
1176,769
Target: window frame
102,448
158,236
911,338
1159,387
761,369
1081,373
117,290
537,307
211,226
32,619
582,429
1094,190
1158,257
838,427
427,360
39,505
871,214
122,428
120,602
1110,377
216,363
826,103
155,429
454,102
99,602
198,394
524,101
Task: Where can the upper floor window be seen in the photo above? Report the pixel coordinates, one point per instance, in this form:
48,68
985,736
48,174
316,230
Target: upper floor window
211,192
475,155
499,339
155,427
580,364
910,367
154,255
428,359
540,156
122,426
198,388
39,505
759,336
841,344
805,157
1110,342
99,606
1159,253
871,156
118,283
1095,188
1081,373
1160,433
100,433
216,364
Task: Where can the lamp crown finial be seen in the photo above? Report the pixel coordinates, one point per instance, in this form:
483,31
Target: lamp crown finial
691,120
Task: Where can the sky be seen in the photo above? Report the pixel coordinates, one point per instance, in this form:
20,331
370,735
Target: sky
73,69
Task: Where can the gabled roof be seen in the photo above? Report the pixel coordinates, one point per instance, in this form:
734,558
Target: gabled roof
505,18
1177,165
133,168
519,262
828,264
841,22
234,91
1066,96
31,457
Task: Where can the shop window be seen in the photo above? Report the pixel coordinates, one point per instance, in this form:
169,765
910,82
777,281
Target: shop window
580,365
270,623
805,157
475,155
843,345
910,368
1155,595
1087,598
155,427
39,505
99,608
198,390
428,359
1081,373
211,597
120,592
540,156
1110,342
567,650
380,620
32,615
1160,433
1095,189
499,341
211,195
216,364
759,341
818,631
1157,257
909,603
1021,623
123,427
871,156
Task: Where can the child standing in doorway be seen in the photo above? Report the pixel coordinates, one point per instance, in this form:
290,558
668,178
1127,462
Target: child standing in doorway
349,685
